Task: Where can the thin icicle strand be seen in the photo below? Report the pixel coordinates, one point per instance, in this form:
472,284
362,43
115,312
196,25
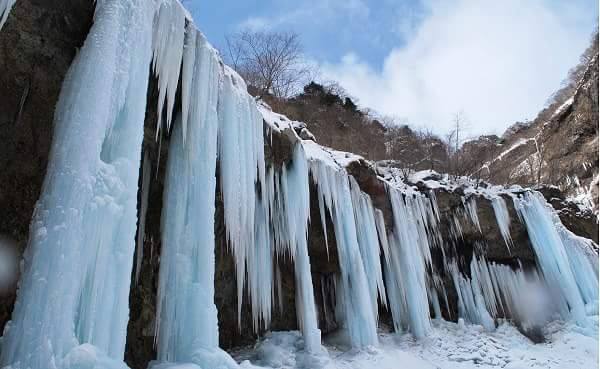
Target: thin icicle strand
168,42
502,219
470,206
5,7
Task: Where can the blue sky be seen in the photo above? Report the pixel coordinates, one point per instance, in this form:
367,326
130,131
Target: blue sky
423,60
329,29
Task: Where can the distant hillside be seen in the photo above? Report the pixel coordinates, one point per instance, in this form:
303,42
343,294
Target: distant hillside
560,147
335,121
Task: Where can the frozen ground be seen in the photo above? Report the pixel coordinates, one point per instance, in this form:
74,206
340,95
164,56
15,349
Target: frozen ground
450,345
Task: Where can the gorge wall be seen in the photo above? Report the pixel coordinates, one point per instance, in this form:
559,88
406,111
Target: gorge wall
37,46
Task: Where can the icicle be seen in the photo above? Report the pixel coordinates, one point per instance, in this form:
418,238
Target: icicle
520,295
410,258
435,302
353,290
142,219
187,75
368,242
471,305
187,324
470,206
567,262
168,42
503,219
75,284
242,167
5,7
499,291
296,197
438,286
259,259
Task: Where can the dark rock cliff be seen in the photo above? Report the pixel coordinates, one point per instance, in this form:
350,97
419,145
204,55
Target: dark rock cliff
559,147
37,46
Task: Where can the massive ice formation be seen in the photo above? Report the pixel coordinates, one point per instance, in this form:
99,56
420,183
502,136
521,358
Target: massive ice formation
566,261
412,216
187,326
241,159
75,284
72,304
359,316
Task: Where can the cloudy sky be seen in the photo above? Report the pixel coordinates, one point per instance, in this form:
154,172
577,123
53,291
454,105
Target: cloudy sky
424,60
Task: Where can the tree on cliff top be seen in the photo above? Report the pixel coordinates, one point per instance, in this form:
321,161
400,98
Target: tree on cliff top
271,62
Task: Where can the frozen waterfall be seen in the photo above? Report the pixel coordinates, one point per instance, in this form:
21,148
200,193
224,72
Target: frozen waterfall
334,193
72,304
74,291
408,261
186,315
566,261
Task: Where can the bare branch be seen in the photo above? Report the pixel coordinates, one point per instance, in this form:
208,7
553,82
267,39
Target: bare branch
271,62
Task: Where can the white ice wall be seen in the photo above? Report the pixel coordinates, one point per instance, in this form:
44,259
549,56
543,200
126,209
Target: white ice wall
75,283
187,326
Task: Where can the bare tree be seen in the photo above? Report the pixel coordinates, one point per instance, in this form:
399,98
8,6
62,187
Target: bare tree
454,140
271,62
536,163
429,143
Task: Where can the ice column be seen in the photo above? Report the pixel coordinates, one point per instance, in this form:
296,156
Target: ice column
242,169
368,242
334,193
187,324
502,218
567,262
471,303
296,197
496,290
408,262
75,284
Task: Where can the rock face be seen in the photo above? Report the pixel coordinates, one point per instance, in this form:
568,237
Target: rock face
37,46
560,147
336,122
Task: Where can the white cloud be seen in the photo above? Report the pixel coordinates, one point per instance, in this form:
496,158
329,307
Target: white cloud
307,12
497,60
255,24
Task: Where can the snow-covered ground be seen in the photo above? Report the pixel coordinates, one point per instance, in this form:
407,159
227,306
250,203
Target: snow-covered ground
450,345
